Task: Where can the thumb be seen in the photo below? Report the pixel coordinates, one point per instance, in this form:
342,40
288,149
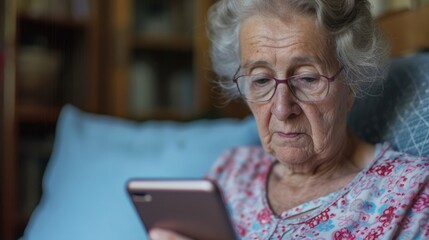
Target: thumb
162,234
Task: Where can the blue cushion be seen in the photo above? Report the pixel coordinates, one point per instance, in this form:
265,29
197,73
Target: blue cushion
84,193
401,115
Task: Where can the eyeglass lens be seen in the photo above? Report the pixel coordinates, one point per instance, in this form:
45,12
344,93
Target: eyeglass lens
305,87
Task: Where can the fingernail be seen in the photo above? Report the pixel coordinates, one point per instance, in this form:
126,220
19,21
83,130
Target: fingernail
154,234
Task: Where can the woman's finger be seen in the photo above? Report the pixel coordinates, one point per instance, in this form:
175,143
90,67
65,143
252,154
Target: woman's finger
162,234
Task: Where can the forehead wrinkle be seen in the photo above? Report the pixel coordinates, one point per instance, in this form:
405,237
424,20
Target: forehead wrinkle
265,46
270,42
308,56
260,44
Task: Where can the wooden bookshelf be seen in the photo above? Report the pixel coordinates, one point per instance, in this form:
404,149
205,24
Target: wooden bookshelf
30,105
98,54
179,51
37,113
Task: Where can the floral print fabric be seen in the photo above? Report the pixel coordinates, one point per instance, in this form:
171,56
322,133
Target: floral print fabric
389,199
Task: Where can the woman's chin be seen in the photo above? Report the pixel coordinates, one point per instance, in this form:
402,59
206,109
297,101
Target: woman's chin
291,155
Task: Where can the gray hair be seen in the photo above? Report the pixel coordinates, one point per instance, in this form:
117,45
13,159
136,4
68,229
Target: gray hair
359,46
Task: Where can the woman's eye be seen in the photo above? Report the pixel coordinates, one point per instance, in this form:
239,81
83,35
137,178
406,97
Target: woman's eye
308,78
261,81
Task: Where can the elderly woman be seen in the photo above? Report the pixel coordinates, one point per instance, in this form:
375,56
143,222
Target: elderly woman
299,65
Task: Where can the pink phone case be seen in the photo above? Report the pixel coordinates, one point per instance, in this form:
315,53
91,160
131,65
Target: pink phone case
193,208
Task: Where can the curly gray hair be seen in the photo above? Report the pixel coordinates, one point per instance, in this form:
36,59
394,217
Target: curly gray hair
359,46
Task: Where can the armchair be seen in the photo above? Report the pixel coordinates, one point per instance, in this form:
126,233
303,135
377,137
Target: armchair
84,184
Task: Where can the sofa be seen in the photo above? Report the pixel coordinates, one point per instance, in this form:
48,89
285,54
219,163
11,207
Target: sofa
84,194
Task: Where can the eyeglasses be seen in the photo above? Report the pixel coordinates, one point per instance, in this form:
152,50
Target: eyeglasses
306,87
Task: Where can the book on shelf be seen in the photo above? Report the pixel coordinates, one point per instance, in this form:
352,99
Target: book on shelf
153,18
142,88
80,9
163,17
38,68
181,91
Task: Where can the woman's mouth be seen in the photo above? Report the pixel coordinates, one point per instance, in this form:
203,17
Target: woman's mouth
289,139
288,135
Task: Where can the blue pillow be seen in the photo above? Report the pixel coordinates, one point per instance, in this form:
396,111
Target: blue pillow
94,156
401,115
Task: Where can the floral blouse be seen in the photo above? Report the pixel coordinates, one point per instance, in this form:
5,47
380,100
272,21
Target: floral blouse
389,199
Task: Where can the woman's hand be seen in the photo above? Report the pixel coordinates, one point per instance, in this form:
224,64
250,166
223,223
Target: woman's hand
162,234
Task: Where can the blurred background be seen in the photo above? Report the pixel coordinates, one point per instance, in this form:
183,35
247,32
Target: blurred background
134,59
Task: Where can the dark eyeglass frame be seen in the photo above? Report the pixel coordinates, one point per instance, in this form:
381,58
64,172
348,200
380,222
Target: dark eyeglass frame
285,81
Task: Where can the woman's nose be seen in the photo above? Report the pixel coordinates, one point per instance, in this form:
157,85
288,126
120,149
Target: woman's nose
284,104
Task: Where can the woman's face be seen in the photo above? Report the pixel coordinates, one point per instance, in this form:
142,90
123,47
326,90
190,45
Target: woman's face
296,133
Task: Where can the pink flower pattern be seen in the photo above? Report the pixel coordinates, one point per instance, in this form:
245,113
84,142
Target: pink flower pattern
422,203
344,234
264,216
388,199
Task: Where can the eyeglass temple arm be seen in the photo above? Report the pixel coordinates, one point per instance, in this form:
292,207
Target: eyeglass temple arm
234,78
336,74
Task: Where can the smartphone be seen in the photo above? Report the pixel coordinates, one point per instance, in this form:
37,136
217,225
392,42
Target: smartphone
193,208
